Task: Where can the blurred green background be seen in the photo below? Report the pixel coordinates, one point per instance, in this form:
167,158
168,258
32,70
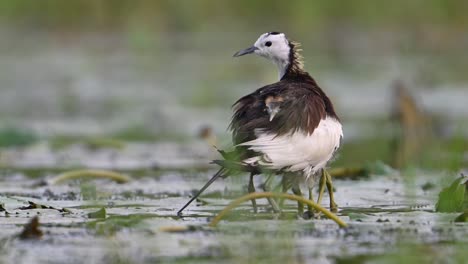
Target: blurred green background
162,70
299,17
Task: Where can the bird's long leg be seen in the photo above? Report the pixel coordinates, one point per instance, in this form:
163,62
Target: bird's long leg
322,184
300,206
311,198
329,183
271,201
286,184
221,173
251,189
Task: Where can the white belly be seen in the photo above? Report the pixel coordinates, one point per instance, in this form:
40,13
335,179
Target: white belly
298,151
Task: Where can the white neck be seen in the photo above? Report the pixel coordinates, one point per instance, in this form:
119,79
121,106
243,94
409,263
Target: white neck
282,67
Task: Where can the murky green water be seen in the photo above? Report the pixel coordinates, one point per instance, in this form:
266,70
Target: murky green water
383,213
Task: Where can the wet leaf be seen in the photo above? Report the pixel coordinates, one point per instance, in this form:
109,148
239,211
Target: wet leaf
451,199
13,137
428,186
378,168
33,205
179,229
462,218
88,191
2,209
31,230
114,223
357,216
101,213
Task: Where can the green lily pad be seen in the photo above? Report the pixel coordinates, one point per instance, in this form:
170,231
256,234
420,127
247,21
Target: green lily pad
101,213
462,218
451,199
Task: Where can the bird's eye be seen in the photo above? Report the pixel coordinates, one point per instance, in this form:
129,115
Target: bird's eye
268,43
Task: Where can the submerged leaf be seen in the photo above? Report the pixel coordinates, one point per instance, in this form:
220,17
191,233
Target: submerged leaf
451,199
90,174
101,213
114,223
14,137
378,168
463,217
33,205
428,186
31,230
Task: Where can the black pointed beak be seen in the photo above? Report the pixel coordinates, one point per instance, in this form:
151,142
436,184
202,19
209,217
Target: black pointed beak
246,51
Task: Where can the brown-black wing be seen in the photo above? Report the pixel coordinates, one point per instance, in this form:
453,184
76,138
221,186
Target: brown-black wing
279,108
249,113
298,108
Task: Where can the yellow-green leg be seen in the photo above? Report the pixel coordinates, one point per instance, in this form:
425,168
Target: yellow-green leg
300,206
286,184
329,183
251,189
322,184
271,201
310,210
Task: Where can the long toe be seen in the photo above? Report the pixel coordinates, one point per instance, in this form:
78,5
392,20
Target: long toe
333,207
308,214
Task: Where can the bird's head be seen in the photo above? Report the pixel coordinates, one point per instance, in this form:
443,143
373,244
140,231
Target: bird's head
276,47
272,45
